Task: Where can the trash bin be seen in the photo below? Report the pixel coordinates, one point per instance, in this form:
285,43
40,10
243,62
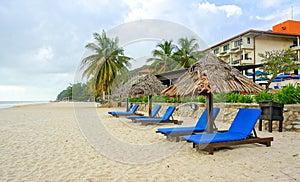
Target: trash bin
271,111
119,104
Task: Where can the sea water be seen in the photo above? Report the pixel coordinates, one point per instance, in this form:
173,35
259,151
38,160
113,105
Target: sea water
7,104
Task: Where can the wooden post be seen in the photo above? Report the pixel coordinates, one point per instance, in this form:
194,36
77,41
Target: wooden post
150,105
209,108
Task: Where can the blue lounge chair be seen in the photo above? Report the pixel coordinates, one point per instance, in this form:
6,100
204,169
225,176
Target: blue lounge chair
199,127
238,133
164,119
132,112
128,109
153,114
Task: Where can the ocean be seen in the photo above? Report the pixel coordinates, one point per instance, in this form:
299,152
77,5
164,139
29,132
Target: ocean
7,104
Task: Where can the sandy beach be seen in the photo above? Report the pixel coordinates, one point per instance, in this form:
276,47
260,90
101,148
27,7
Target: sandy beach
67,142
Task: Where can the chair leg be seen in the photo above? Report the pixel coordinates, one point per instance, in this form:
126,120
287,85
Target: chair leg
260,125
270,126
280,126
210,150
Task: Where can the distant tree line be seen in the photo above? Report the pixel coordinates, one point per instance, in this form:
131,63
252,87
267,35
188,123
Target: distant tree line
76,92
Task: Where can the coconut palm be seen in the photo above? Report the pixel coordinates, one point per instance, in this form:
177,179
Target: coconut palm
187,53
162,57
105,61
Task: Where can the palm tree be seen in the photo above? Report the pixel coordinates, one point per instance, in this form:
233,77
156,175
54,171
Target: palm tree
163,57
187,53
105,62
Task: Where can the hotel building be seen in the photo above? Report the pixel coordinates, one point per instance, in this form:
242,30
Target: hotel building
243,49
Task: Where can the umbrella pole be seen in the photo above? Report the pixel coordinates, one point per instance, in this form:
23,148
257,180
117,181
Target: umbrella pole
209,108
150,105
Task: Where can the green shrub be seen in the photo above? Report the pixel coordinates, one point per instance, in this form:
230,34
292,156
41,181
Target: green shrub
263,96
201,99
288,95
221,97
244,98
137,99
232,97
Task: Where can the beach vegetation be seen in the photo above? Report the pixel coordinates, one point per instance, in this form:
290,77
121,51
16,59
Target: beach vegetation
66,94
105,61
75,92
187,52
288,95
162,59
263,96
278,61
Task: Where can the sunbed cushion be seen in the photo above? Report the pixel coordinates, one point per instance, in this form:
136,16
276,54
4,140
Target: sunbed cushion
199,127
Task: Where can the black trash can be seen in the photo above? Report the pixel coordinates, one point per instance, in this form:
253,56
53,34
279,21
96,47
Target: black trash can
119,104
271,111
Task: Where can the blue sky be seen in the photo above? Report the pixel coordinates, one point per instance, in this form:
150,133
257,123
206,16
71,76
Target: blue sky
42,42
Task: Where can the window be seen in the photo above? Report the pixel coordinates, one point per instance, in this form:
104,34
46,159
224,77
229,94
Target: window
238,42
226,47
295,43
246,57
248,40
216,51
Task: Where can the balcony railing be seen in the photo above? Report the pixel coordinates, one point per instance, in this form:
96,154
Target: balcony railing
247,61
247,46
235,62
295,47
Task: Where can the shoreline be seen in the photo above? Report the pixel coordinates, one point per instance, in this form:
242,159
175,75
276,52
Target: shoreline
44,143
11,104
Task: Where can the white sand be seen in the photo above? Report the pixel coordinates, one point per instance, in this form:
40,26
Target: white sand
45,143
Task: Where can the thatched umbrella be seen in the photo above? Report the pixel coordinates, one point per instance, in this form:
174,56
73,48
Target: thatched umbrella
122,92
149,86
211,75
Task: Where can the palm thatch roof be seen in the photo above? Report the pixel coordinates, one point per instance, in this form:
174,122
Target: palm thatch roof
210,74
122,90
139,86
147,85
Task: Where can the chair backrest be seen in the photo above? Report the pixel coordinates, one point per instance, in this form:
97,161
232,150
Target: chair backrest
168,113
129,106
155,110
202,122
245,121
135,107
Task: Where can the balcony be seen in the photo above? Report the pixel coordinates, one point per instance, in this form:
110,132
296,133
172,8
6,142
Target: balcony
236,62
295,47
226,54
247,46
247,61
223,52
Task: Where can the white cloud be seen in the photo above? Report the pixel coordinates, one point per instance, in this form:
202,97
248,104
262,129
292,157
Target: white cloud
168,9
229,10
266,18
44,53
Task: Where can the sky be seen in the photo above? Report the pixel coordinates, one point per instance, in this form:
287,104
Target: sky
43,42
